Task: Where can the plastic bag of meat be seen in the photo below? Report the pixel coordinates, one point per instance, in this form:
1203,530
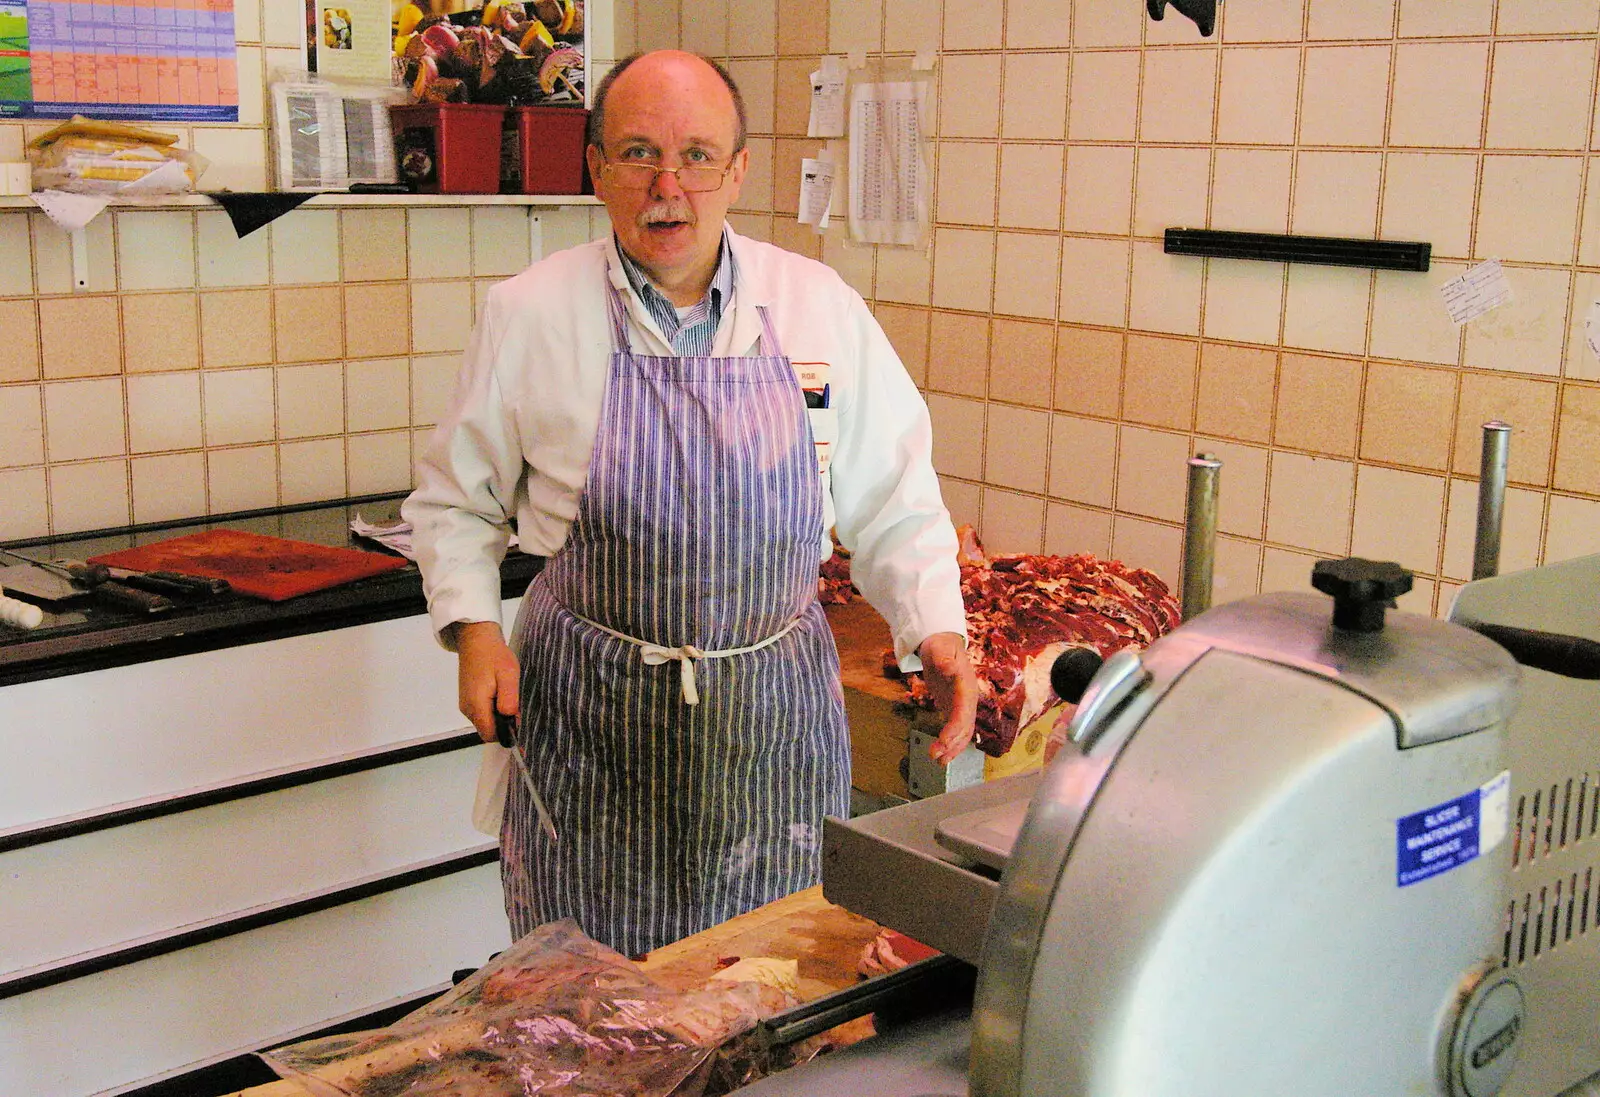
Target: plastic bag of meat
557,1014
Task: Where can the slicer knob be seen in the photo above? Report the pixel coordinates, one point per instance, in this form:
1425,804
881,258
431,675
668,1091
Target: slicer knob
1361,589
1072,671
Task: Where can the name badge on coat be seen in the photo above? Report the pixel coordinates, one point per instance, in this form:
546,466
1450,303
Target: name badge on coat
814,385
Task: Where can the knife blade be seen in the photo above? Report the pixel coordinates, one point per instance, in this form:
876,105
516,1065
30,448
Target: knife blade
503,727
96,581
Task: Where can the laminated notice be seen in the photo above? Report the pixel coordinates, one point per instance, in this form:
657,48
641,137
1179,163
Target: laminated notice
1450,834
1474,293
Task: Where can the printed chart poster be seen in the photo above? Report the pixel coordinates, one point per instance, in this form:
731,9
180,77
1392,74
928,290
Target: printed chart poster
143,60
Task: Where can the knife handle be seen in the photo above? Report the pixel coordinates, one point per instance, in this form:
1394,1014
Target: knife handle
171,583
504,726
120,594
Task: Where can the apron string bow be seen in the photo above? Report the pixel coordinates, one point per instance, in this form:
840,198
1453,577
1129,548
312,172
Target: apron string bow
653,655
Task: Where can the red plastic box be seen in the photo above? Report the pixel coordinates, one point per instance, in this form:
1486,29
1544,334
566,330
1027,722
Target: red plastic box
543,150
449,148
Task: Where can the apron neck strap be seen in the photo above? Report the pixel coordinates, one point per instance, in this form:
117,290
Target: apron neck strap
621,341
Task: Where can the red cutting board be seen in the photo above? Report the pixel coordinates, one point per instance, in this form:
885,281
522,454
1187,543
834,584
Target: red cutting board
265,567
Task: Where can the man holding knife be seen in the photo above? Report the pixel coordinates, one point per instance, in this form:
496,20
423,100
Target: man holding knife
676,416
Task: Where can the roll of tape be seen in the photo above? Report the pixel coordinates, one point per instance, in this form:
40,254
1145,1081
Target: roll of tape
16,178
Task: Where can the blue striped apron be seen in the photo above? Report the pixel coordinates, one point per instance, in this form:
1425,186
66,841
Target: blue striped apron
682,713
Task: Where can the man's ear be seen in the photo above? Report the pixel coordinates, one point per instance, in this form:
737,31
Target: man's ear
741,164
591,154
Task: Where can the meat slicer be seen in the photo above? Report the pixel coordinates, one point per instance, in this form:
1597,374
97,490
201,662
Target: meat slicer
1279,857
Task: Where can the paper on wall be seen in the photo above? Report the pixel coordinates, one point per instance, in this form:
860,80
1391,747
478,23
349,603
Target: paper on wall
889,179
354,40
816,190
827,99
70,211
1474,293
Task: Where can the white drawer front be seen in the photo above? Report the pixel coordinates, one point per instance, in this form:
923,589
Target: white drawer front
222,998
146,879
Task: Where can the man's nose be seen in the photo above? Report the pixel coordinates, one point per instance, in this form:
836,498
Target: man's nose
666,185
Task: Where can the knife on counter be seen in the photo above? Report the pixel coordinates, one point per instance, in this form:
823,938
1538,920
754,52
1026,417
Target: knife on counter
503,727
95,581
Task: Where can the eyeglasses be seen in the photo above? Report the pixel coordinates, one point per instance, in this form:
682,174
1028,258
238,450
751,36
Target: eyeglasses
693,178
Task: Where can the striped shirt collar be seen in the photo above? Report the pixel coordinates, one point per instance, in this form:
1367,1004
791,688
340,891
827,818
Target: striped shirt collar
692,334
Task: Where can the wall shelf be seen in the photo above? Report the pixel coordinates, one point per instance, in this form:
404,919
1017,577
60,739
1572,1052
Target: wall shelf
330,198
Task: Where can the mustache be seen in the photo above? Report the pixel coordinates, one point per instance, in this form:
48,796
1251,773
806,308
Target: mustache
667,211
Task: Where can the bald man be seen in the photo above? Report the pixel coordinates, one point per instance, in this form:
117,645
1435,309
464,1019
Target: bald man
676,417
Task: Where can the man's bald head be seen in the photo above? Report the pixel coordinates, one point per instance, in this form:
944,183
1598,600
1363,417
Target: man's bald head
595,134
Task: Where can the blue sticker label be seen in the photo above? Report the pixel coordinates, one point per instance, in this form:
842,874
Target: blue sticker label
1438,839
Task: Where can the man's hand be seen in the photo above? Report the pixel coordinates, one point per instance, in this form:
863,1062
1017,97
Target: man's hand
950,678
487,674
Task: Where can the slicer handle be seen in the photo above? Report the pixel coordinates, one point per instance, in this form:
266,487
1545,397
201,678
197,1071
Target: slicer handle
1568,656
1121,676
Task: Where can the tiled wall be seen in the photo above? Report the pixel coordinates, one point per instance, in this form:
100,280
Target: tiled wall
1072,366
202,373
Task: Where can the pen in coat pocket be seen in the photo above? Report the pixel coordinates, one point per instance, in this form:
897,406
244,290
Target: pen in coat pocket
503,727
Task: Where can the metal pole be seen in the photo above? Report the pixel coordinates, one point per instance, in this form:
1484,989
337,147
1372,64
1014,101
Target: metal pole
1491,498
1200,534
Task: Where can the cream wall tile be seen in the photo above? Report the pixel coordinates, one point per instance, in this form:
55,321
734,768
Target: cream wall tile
1250,190
907,331
1528,208
1106,23
160,331
966,182
656,26
755,193
1578,441
433,240
1018,447
1521,523
88,496
247,21
1071,530
803,26
1418,114
1276,22
964,501
1528,406
1408,316
168,487
904,274
1346,88
1589,244
1099,184
311,471
441,316
704,27
226,260
854,262
282,23
1421,598
562,229
1035,104
1011,522
499,241
241,479
1171,189
1244,300
21,426
1178,96
164,412
310,400
379,462
251,85
16,273
1524,335
1282,570
1351,19
308,323
1236,390
1094,281
963,269
1336,194
957,436
1242,486
1159,381
969,95
433,379
84,419
1142,544
908,25
1083,460
1319,404
155,250
1037,24
757,80
1259,90
1023,368
1574,529
11,142
1236,572
1031,186
1165,291
1548,17
959,359
1430,196
1399,517
52,256
1445,18
80,336
27,511
235,328
1089,371
1104,104
853,27
1025,275
1530,100
305,247
238,158
19,350
792,106
375,320
1327,308
757,226
1581,363
1152,472
377,394
238,406
1177,31
1308,503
